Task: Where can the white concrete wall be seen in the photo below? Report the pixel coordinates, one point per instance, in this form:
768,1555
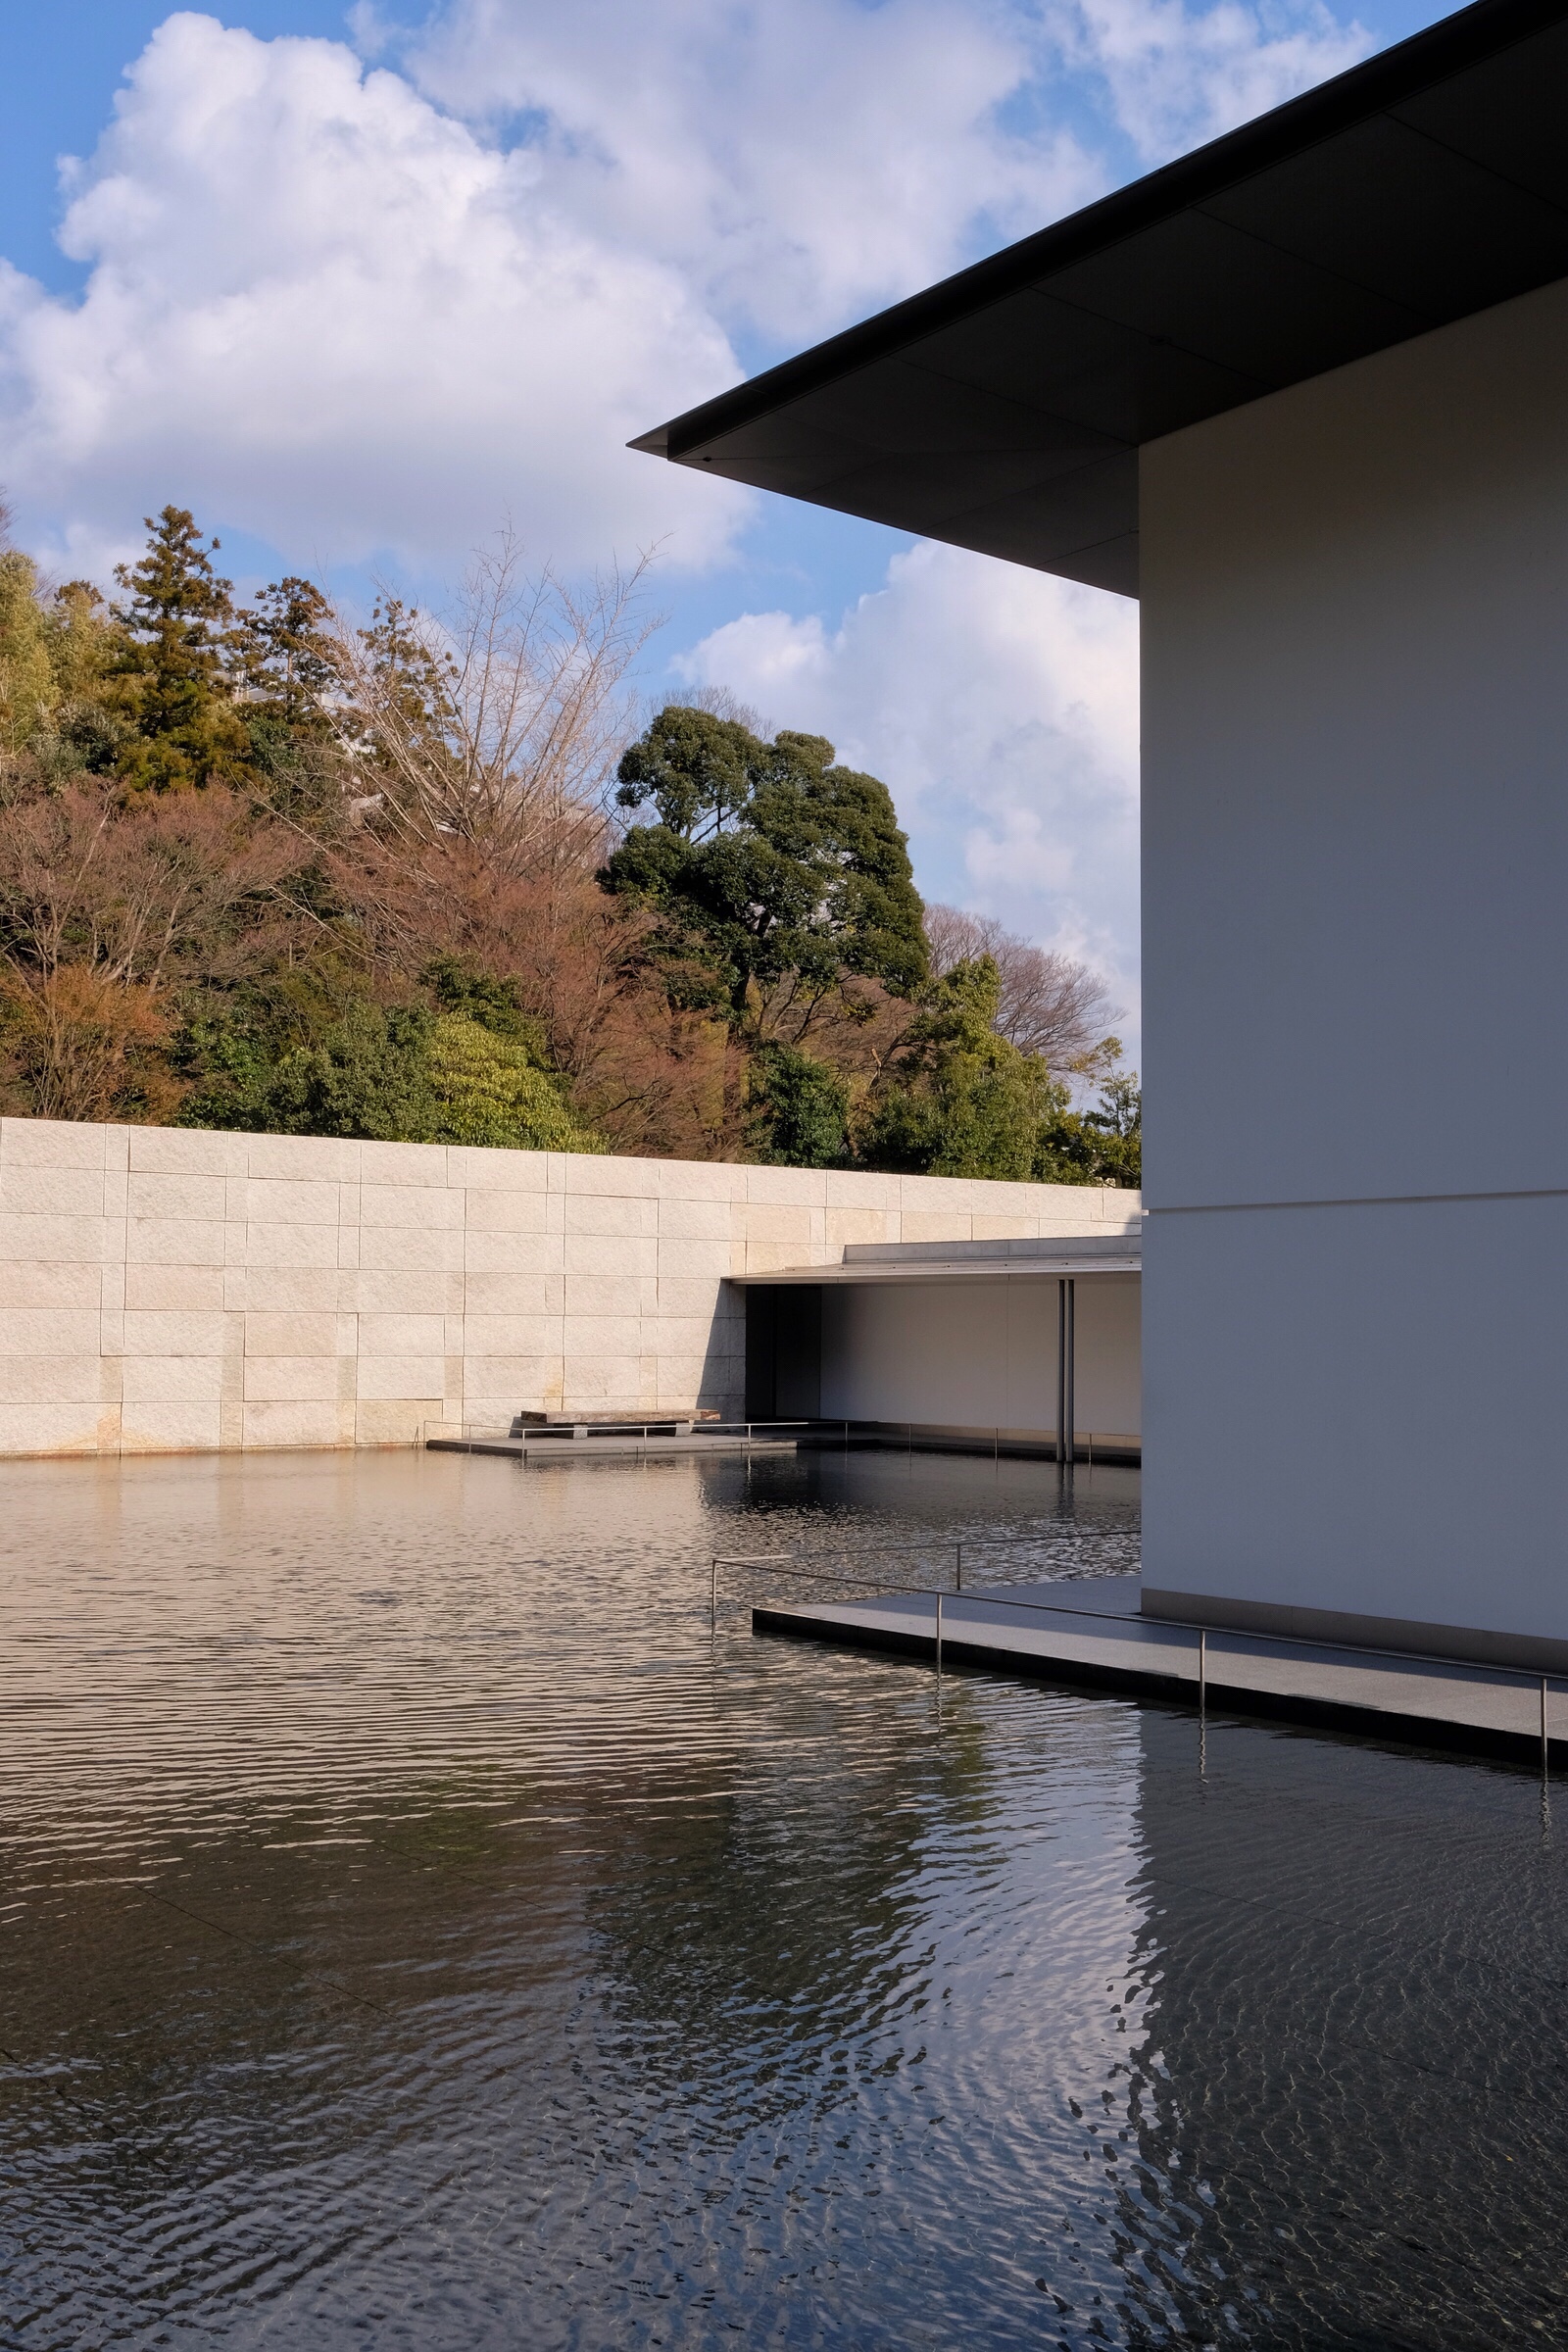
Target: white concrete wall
982,1354
164,1288
1355,830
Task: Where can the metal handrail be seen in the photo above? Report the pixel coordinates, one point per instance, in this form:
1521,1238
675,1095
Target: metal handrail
1189,1625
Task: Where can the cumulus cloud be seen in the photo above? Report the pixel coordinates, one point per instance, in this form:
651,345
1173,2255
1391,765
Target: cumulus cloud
802,165
1002,709
1175,77
321,308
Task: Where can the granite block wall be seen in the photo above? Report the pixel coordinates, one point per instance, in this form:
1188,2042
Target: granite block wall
167,1290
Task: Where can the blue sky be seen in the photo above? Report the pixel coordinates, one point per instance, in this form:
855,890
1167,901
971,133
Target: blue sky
356,285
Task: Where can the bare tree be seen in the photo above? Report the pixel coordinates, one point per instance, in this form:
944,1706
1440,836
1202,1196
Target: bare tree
1052,1005
502,725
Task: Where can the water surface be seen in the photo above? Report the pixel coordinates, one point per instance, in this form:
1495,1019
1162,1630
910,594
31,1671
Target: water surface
420,1929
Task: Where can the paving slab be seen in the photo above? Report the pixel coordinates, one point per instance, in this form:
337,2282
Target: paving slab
1088,1631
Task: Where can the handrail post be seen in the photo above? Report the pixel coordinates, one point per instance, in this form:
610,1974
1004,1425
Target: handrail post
939,1634
1203,1668
1546,1751
957,1565
713,1604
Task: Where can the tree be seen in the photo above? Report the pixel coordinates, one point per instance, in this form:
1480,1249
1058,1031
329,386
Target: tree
169,671
1048,1003
773,874
1104,1146
959,1098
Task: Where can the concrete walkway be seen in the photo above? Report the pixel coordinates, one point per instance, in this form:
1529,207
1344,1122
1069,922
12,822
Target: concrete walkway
1008,1626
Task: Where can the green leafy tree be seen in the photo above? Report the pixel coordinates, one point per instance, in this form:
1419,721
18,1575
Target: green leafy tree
958,1099
772,871
29,688
169,673
1104,1146
799,1109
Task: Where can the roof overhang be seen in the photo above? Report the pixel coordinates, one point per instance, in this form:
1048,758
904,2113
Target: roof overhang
1004,408
977,1269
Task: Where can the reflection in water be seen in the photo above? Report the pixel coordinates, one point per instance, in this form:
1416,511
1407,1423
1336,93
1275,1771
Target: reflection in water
418,1930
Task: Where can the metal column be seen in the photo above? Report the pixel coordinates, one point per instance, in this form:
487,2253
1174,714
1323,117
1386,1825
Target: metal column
1066,1418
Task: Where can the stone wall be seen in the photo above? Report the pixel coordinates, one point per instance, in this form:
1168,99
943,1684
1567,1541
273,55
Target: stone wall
167,1290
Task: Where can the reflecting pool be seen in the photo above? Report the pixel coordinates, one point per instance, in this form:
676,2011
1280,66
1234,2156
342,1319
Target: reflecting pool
420,1929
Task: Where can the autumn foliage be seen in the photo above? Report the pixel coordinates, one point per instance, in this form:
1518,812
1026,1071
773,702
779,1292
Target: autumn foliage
265,869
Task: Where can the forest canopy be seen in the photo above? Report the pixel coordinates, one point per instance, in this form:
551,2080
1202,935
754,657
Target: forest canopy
429,879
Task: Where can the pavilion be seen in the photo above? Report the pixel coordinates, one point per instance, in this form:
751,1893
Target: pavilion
1305,392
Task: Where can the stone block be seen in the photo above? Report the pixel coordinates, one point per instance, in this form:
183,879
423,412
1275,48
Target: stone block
698,1179
847,1188
402,1335
686,1220
62,1379
603,1336
710,1261
608,1384
513,1294
50,1284
585,1176
422,1165
689,1295
26,1429
280,1201
422,1249
612,1295
284,1290
787,1188
933,1225
303,1158
291,1245
175,1242
401,1376
269,1422
191,1199
410,1204
171,1378
534,1337
861,1225
279,1378
62,1240
499,1251
777,1221
606,1216
609,1255
53,1144
476,1169
531,1381
170,1425
402,1290
53,1192
286,1335
186,1151
397,1420
492,1211
174,1287
1004,1229
27,1331
154,1330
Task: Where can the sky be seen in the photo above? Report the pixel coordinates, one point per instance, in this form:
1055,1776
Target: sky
360,287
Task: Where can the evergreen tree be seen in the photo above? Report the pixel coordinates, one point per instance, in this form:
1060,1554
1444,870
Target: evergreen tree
170,675
769,866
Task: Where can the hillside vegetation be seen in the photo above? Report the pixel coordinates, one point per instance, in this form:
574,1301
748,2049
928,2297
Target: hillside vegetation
262,868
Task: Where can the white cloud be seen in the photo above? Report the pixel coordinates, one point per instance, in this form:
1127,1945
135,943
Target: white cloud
326,311
1001,706
1175,77
803,165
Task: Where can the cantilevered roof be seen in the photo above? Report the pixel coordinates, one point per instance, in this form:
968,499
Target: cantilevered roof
1004,408
1032,1260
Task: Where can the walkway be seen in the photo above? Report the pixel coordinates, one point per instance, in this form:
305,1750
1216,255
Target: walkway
1008,1626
